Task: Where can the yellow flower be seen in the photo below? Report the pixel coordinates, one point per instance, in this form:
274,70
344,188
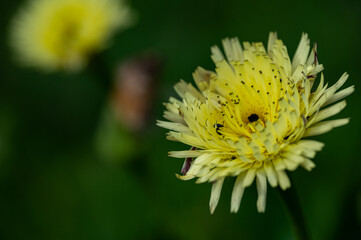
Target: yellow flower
54,34
249,119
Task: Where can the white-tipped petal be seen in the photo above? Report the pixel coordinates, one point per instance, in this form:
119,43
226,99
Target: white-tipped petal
228,49
330,111
283,180
308,164
237,193
325,95
217,55
272,37
250,175
302,51
324,127
215,194
311,144
340,95
174,126
270,173
313,56
237,49
184,154
262,191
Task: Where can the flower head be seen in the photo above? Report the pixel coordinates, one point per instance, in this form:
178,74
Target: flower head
249,118
52,34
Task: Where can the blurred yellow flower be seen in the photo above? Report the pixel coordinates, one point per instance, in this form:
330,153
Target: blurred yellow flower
249,118
62,34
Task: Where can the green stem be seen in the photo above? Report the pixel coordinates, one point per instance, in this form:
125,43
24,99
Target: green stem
294,210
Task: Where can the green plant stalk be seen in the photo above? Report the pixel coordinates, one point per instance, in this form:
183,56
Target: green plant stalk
294,210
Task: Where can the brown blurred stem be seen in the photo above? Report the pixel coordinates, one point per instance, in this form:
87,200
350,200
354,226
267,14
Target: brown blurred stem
293,206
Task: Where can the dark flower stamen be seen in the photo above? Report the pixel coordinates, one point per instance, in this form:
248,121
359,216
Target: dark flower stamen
253,117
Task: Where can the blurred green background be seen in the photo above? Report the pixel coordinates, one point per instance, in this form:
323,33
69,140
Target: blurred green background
54,184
